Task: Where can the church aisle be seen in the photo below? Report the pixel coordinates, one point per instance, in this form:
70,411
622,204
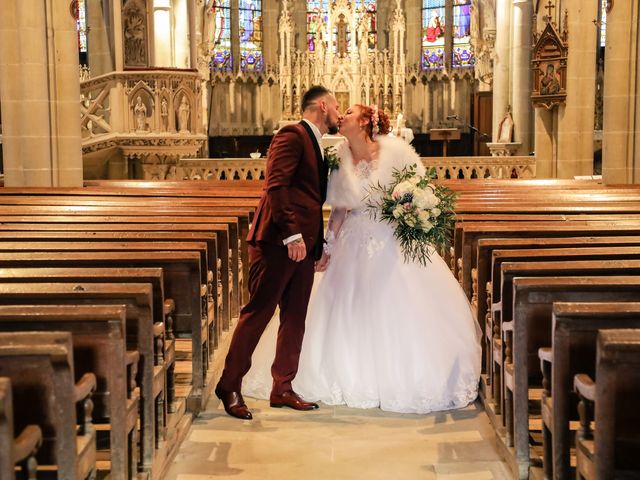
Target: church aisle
339,443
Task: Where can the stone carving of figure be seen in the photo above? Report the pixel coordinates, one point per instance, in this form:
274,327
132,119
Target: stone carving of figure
319,39
363,39
474,28
164,114
134,34
183,115
140,113
549,84
171,173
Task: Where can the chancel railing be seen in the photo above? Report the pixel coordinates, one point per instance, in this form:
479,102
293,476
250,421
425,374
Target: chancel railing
254,169
150,115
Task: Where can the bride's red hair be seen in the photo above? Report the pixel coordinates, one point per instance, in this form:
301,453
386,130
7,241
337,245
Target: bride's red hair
384,124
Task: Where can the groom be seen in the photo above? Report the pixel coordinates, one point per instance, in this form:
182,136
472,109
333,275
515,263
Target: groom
285,239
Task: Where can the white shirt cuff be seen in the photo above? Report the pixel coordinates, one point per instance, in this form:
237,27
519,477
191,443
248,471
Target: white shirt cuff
292,238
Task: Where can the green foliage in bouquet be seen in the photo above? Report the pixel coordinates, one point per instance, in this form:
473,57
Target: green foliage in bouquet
422,212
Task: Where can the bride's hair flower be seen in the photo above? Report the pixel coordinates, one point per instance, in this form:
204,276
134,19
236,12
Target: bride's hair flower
375,120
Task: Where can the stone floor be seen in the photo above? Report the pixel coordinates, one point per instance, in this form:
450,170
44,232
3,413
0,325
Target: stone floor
339,443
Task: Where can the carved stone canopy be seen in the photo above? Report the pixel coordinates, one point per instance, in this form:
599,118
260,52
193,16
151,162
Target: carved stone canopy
549,68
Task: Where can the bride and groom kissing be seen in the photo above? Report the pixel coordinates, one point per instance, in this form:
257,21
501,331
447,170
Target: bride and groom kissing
380,332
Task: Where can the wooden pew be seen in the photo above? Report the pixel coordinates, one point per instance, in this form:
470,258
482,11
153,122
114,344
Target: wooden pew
99,347
529,330
164,230
182,284
482,286
473,231
227,238
16,453
612,451
535,266
575,330
140,329
40,366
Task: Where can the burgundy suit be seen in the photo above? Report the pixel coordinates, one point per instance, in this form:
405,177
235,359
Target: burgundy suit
295,189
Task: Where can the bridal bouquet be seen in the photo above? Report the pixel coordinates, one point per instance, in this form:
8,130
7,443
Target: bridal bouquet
421,212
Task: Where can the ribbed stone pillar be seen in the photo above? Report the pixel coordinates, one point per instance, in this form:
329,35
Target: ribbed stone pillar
621,136
522,111
501,64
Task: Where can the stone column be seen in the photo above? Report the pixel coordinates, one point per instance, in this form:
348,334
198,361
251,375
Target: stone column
621,139
100,57
521,74
501,64
545,145
40,92
576,118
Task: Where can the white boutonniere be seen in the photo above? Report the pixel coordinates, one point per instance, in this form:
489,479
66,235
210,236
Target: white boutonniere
331,158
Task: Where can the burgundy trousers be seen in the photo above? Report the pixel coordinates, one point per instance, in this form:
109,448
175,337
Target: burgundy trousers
274,280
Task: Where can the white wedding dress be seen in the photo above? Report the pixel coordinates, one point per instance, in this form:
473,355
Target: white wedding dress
379,332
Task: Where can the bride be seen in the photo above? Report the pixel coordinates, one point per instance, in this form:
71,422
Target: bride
379,332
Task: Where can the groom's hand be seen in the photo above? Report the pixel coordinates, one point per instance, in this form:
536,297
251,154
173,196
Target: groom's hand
323,263
297,250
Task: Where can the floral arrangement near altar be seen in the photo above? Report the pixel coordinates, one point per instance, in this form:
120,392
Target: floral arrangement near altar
421,212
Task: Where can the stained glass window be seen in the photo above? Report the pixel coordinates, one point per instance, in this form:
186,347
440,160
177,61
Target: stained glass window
317,19
367,9
603,23
250,13
433,27
222,58
462,51
81,24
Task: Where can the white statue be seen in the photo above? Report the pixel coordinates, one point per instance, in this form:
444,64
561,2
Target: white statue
140,113
183,115
164,114
363,38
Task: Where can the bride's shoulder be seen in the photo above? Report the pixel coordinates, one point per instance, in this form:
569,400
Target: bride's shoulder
396,152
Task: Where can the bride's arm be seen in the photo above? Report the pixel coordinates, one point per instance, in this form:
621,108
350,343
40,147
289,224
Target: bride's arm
333,228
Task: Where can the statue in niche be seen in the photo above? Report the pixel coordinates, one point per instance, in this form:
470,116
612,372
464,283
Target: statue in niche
164,114
183,115
319,39
342,30
140,114
474,28
135,33
363,39
171,173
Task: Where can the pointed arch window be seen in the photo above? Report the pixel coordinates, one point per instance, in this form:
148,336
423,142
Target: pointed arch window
368,10
81,24
222,58
603,23
250,16
462,51
433,33
317,20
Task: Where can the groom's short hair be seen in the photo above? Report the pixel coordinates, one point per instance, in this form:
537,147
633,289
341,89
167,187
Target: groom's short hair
314,93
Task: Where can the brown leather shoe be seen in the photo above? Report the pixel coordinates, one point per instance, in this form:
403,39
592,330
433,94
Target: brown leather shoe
234,404
292,400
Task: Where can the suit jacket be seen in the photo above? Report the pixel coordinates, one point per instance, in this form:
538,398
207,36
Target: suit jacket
295,189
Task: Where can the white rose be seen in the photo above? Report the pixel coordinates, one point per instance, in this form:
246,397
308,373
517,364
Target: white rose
398,211
426,226
435,212
423,216
402,188
410,220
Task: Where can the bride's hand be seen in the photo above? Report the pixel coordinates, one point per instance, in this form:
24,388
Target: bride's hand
323,263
